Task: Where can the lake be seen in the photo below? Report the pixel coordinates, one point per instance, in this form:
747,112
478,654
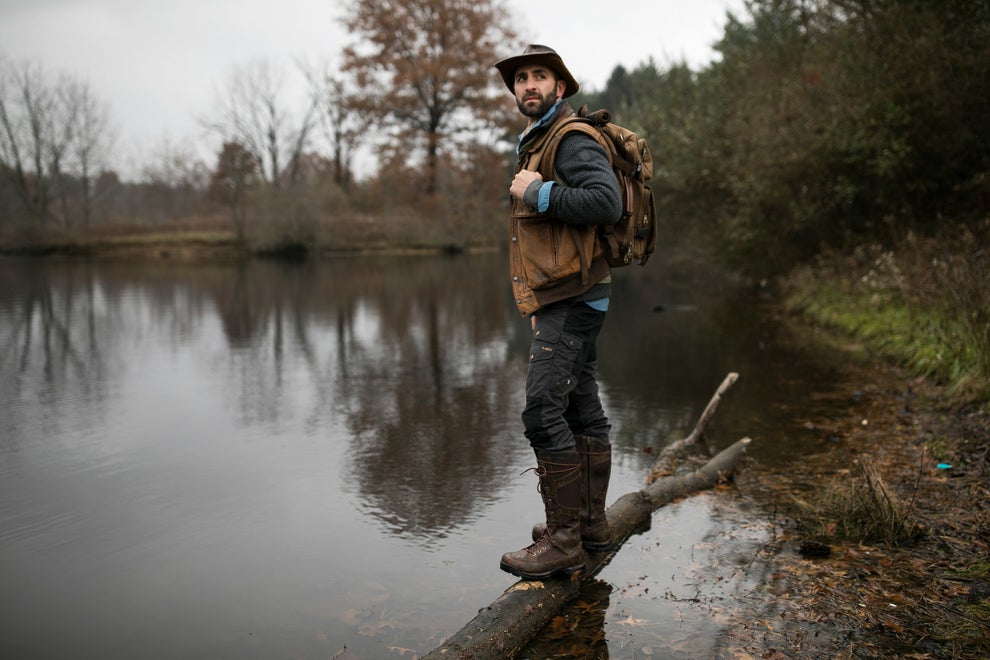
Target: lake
324,459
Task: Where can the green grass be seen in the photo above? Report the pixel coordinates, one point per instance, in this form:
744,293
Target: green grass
934,328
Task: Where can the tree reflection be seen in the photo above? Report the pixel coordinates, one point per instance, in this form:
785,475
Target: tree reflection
52,327
410,354
426,382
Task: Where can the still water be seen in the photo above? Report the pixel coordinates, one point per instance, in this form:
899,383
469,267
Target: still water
269,460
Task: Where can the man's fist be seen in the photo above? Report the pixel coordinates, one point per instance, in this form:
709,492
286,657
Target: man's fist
521,182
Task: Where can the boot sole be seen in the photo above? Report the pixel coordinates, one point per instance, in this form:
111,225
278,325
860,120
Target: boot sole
540,576
597,547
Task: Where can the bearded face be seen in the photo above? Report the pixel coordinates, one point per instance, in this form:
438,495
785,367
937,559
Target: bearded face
537,88
534,105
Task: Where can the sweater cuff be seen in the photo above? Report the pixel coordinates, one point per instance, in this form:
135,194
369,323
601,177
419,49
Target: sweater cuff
537,195
532,195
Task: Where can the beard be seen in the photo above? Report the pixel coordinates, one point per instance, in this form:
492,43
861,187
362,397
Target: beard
541,108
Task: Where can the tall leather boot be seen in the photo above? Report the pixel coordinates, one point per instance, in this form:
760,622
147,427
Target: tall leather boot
596,469
558,549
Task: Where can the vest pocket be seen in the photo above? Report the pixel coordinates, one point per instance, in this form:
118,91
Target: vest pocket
550,253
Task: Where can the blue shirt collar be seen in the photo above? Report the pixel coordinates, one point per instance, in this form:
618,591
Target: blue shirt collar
542,120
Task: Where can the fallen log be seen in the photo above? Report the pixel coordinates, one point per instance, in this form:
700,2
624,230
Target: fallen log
503,628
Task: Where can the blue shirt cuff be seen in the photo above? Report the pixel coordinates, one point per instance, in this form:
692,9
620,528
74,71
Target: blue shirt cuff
545,197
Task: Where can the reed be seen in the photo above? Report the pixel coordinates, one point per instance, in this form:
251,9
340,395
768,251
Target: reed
860,507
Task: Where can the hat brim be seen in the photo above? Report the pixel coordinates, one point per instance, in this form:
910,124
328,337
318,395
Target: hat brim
507,68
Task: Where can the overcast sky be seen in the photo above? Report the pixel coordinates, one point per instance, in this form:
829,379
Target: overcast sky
158,63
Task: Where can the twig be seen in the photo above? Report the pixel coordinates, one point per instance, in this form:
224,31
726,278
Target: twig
660,465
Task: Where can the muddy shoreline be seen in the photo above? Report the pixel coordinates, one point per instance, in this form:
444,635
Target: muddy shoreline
926,597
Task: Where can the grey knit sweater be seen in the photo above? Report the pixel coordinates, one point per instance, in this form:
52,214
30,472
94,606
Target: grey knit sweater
584,190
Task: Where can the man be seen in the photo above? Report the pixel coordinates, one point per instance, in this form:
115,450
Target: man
563,189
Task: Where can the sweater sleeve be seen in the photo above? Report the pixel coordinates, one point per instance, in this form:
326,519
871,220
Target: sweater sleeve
588,193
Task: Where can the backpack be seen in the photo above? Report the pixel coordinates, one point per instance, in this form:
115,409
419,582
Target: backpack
633,237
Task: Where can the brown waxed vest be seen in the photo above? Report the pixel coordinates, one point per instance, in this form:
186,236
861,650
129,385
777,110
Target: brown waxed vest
549,260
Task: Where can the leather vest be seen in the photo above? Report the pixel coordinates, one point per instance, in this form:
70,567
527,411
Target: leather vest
549,260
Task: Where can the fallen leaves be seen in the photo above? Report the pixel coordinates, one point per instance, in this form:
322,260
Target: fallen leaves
631,621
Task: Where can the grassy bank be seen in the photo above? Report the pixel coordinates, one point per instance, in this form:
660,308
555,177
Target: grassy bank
210,244
128,242
924,303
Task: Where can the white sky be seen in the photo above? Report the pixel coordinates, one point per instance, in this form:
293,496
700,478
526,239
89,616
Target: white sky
158,63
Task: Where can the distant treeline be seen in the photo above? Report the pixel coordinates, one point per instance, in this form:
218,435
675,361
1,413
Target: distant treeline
826,122
823,123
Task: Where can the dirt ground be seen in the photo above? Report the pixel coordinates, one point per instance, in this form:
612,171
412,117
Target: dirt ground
926,596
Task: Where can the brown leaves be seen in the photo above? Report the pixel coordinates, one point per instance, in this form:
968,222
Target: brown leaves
561,625
426,65
631,621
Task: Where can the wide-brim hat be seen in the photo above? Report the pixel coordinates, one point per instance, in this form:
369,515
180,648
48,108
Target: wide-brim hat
537,54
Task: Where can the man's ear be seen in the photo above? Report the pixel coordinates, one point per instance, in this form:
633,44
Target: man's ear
561,86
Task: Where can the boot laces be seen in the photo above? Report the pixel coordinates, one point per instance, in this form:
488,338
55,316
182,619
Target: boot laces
540,545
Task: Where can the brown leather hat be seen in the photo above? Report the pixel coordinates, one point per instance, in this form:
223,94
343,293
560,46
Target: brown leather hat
537,54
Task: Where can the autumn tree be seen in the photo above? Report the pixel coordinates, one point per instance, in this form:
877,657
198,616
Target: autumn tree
235,171
424,68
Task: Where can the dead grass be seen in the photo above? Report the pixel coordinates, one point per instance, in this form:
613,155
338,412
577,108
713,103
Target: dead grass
859,507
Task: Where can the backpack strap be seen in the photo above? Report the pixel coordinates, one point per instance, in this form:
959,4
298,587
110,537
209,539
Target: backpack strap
565,127
570,125
537,150
589,126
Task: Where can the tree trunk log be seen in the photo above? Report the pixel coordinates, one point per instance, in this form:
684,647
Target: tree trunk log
503,628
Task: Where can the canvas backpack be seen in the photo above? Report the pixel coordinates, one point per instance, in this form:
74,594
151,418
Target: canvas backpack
633,237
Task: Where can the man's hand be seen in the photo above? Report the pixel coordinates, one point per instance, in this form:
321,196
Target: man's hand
521,181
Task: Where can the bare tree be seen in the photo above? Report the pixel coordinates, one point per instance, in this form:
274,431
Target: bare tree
94,138
254,113
174,179
339,119
424,68
38,122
